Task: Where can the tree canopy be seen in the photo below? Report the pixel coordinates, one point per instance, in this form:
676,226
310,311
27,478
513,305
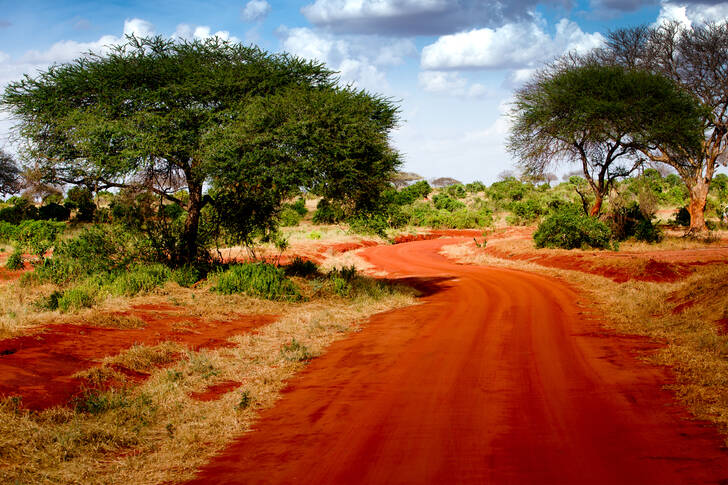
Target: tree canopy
9,174
252,127
697,59
600,117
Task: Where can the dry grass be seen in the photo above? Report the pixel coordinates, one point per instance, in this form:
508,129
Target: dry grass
154,432
696,344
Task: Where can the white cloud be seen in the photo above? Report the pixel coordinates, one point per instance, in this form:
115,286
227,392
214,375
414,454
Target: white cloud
450,83
359,60
327,11
514,45
691,14
255,10
201,32
138,27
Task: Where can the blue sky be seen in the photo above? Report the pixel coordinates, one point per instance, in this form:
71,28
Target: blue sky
452,64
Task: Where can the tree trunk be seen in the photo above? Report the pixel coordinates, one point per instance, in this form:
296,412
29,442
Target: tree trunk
696,207
188,251
597,207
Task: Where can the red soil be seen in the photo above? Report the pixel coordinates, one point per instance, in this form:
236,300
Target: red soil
500,376
39,367
215,391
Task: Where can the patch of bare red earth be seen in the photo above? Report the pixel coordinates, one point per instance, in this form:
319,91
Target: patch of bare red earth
39,367
499,376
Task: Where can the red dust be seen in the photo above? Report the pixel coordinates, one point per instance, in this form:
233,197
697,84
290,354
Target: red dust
39,367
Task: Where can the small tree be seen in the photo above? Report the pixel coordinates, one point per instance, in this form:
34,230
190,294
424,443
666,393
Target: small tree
164,115
600,117
697,59
9,174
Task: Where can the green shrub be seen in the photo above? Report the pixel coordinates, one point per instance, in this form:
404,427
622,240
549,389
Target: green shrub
53,211
76,298
524,212
257,279
300,207
375,224
314,235
570,228
682,218
646,231
15,261
412,193
443,201
475,187
186,275
289,217
327,213
456,190
301,267
37,237
140,279
7,232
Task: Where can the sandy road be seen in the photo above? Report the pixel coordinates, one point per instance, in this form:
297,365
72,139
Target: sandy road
498,377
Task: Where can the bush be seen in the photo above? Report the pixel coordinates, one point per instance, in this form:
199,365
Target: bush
15,261
7,232
257,279
524,212
300,207
140,278
443,201
570,228
53,211
475,187
75,298
457,191
37,237
327,213
289,217
682,218
375,224
301,267
186,276
412,193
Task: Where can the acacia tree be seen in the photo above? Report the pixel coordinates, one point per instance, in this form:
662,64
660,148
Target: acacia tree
9,174
599,117
190,115
697,59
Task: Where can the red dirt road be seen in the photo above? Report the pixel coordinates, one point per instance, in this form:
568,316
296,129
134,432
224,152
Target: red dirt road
499,377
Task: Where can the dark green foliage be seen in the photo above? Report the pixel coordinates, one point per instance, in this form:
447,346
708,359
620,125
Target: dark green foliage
7,232
289,217
510,189
374,224
20,210
424,214
409,194
300,207
140,279
570,228
245,400
682,217
457,191
524,212
186,275
443,201
327,212
475,187
9,174
94,401
631,222
301,267
254,127
15,261
81,199
37,237
54,212
257,279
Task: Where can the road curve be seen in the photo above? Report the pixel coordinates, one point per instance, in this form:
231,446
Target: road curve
499,377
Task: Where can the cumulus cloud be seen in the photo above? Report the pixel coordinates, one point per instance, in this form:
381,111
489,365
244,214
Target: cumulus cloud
359,61
450,83
255,10
201,32
416,17
511,46
689,13
138,27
